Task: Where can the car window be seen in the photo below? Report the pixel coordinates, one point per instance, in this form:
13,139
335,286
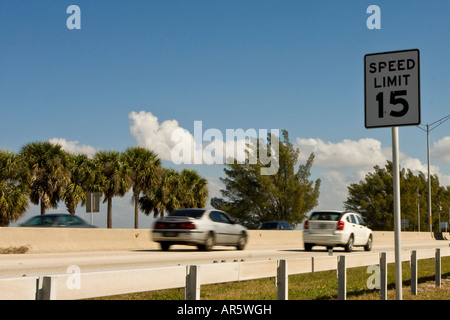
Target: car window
75,221
69,221
360,220
47,221
330,216
352,218
217,216
187,213
286,226
62,221
36,221
268,225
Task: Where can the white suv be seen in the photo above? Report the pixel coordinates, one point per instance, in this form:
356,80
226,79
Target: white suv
336,229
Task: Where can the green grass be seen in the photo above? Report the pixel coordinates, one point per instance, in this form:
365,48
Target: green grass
317,286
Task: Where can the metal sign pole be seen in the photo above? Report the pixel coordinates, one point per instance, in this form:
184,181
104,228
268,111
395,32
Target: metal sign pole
92,209
397,213
392,99
92,204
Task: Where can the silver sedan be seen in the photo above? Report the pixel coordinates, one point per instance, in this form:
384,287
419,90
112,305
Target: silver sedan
200,227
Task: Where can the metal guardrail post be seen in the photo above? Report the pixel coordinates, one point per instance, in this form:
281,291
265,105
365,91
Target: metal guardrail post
342,278
414,274
438,267
383,276
192,290
282,280
46,288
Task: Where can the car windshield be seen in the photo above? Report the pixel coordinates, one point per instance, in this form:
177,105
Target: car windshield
40,221
187,213
269,225
35,221
329,216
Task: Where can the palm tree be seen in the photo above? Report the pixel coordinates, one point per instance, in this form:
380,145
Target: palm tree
47,165
81,180
185,190
13,188
111,178
143,168
195,189
164,196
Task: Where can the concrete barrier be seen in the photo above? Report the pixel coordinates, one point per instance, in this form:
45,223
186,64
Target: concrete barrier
48,240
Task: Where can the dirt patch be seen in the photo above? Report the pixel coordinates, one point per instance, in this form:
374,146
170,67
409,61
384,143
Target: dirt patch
14,250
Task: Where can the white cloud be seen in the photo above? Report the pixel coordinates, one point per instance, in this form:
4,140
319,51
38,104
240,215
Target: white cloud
441,150
347,154
333,190
147,131
74,147
206,146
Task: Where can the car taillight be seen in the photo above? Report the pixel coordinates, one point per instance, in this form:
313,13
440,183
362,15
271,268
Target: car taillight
340,225
160,225
186,225
306,225
175,225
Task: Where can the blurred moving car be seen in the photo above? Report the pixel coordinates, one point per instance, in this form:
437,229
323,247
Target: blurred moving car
56,220
275,225
201,227
336,228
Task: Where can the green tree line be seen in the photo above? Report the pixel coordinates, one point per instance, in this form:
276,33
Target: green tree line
373,199
44,174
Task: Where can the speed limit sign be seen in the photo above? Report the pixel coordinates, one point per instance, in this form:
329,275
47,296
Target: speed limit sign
392,89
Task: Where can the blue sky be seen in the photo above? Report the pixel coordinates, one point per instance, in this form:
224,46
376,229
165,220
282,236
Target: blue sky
294,65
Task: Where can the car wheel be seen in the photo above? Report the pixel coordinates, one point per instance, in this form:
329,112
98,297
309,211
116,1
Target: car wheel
368,245
241,242
209,243
349,245
165,246
308,246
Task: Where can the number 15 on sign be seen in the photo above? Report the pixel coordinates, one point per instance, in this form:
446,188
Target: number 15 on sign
392,89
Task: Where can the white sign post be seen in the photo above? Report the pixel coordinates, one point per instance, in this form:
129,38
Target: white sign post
392,99
92,204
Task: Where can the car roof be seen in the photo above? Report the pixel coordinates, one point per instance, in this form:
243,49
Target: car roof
276,221
334,211
55,214
194,209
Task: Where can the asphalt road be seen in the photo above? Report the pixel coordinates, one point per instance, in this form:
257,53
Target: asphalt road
18,265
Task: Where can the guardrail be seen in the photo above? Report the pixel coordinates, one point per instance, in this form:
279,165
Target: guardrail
83,285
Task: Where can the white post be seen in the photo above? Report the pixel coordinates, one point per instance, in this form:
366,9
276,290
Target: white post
438,267
414,272
282,280
342,278
383,276
192,290
397,213
46,288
